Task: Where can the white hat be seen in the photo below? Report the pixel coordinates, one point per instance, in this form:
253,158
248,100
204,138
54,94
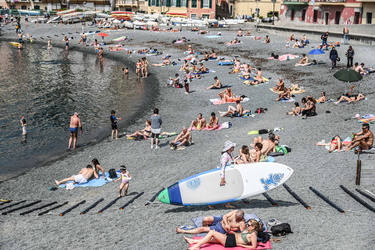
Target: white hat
228,145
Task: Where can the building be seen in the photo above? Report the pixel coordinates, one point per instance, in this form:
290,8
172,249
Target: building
327,11
56,4
131,5
263,8
368,11
194,9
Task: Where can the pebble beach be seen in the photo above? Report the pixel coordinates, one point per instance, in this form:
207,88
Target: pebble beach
153,227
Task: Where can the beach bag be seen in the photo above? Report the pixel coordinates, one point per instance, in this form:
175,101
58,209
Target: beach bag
263,237
112,173
281,229
226,125
263,131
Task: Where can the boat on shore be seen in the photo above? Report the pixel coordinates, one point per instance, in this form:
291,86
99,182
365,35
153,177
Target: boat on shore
30,12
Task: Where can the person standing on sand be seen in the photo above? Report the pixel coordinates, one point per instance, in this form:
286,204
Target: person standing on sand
350,56
334,57
125,177
114,119
23,124
156,123
75,123
82,177
345,31
226,160
66,40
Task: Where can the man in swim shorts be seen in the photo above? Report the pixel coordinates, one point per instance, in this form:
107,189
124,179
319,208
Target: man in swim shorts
230,222
82,177
75,123
156,123
364,139
183,139
199,123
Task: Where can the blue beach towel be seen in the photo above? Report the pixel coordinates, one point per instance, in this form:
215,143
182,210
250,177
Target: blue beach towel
288,100
91,183
212,36
225,63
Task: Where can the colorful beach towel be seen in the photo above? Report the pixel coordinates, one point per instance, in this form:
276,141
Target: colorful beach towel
211,246
294,91
218,101
91,183
253,79
221,63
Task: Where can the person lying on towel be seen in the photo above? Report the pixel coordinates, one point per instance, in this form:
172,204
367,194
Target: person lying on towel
247,238
237,111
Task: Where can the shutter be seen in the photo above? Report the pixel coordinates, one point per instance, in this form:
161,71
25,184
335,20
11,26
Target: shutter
149,2
168,3
157,3
210,3
178,3
187,3
201,4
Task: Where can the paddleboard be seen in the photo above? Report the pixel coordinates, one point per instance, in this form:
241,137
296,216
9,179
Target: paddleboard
243,181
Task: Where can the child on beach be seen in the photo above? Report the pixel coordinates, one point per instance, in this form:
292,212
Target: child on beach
126,71
23,124
114,119
125,176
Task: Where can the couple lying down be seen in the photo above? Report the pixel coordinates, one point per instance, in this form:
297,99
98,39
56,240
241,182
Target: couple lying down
229,230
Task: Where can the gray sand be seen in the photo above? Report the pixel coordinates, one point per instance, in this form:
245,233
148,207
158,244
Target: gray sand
153,227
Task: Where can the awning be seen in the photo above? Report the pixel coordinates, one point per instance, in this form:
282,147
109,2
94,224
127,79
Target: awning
294,5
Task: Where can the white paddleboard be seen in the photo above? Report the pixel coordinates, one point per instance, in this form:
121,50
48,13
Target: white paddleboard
243,181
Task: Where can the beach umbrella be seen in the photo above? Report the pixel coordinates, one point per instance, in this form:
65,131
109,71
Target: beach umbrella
316,52
102,34
348,75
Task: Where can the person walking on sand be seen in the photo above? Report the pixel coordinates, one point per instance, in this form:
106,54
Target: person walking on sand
125,177
82,177
156,123
66,40
334,57
23,124
114,119
75,123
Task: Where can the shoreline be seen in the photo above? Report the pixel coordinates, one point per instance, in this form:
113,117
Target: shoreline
152,227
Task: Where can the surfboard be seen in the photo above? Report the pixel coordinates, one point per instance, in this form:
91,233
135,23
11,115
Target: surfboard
243,181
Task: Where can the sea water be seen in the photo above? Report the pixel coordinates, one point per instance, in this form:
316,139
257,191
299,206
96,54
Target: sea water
47,87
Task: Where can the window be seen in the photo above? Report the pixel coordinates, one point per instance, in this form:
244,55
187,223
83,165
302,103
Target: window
194,3
206,16
153,2
369,18
193,16
206,3
173,3
183,3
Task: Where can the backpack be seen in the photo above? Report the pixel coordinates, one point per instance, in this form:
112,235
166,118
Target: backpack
263,131
281,229
112,173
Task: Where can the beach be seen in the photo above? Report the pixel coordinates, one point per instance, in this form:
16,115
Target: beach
153,227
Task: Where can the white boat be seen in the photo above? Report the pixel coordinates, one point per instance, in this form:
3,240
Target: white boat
30,12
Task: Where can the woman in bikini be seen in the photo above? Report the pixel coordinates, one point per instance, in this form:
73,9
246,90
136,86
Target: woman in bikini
244,156
146,132
247,238
352,98
138,67
335,143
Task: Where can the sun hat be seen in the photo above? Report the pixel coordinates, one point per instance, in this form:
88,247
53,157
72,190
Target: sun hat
228,145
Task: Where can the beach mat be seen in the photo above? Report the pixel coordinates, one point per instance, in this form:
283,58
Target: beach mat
91,183
218,101
224,63
211,246
212,36
287,100
167,134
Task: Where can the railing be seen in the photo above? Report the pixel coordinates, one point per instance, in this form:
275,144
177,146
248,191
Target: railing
127,2
331,1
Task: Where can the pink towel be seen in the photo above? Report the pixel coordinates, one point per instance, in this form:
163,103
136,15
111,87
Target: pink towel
211,246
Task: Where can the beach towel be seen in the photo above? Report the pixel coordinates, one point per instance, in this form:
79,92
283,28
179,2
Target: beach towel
166,134
329,100
253,79
209,71
287,100
218,101
211,246
91,183
212,36
285,57
217,128
344,142
224,63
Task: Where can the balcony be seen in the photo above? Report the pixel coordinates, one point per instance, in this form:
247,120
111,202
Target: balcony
127,2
